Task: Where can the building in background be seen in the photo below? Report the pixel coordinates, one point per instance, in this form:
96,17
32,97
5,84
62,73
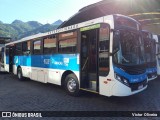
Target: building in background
147,12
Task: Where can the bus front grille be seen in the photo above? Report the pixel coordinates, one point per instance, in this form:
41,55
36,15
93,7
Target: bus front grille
137,86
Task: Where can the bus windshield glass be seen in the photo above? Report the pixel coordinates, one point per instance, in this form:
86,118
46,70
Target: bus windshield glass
130,50
150,50
122,21
158,52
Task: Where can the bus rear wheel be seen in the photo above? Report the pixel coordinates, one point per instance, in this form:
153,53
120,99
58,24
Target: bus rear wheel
72,85
19,74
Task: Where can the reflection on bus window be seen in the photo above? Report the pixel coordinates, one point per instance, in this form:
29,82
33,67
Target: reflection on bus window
37,47
26,48
150,50
131,51
104,51
49,45
67,42
68,45
18,48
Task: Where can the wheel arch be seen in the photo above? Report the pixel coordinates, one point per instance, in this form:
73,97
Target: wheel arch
64,75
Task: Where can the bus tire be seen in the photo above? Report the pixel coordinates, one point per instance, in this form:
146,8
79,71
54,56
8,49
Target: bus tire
72,85
19,74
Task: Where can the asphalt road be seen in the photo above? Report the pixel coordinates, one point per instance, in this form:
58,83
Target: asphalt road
30,95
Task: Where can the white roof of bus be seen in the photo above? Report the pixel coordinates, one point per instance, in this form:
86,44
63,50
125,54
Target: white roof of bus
72,27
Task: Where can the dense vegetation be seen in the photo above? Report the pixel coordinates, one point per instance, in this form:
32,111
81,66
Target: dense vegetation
18,29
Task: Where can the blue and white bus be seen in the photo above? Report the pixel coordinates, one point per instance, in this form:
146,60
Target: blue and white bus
150,55
157,39
104,55
2,59
3,40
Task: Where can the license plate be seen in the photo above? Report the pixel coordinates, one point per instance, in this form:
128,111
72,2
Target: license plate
140,87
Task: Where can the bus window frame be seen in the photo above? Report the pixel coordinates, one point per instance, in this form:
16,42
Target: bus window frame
27,47
58,40
55,37
109,28
19,54
32,46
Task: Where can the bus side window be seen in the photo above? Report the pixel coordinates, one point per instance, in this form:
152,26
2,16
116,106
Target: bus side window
37,47
18,49
67,42
49,45
104,51
26,48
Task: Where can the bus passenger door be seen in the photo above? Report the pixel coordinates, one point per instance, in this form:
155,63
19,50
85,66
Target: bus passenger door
11,58
89,58
2,59
94,56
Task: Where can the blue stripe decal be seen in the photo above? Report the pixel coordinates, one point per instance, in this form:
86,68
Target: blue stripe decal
131,78
151,70
58,61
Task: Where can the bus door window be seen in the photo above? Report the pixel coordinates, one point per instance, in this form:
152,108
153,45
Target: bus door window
89,58
11,57
104,51
84,51
89,51
2,55
92,51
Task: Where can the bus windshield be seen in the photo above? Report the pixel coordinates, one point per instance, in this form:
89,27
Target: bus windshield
158,52
150,50
130,50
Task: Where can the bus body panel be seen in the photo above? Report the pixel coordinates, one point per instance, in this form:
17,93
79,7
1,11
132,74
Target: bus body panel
151,73
43,75
46,68
106,83
120,89
109,86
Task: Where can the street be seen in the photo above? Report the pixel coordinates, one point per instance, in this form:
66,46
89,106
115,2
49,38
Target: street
30,95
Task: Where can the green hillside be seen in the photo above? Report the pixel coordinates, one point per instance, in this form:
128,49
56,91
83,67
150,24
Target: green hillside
19,29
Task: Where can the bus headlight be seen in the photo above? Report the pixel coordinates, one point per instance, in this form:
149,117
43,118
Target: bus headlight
121,79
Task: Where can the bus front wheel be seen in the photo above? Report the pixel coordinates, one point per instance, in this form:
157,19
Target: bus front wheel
72,85
19,74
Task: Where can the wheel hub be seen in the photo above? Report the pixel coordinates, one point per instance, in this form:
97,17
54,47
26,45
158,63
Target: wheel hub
71,85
